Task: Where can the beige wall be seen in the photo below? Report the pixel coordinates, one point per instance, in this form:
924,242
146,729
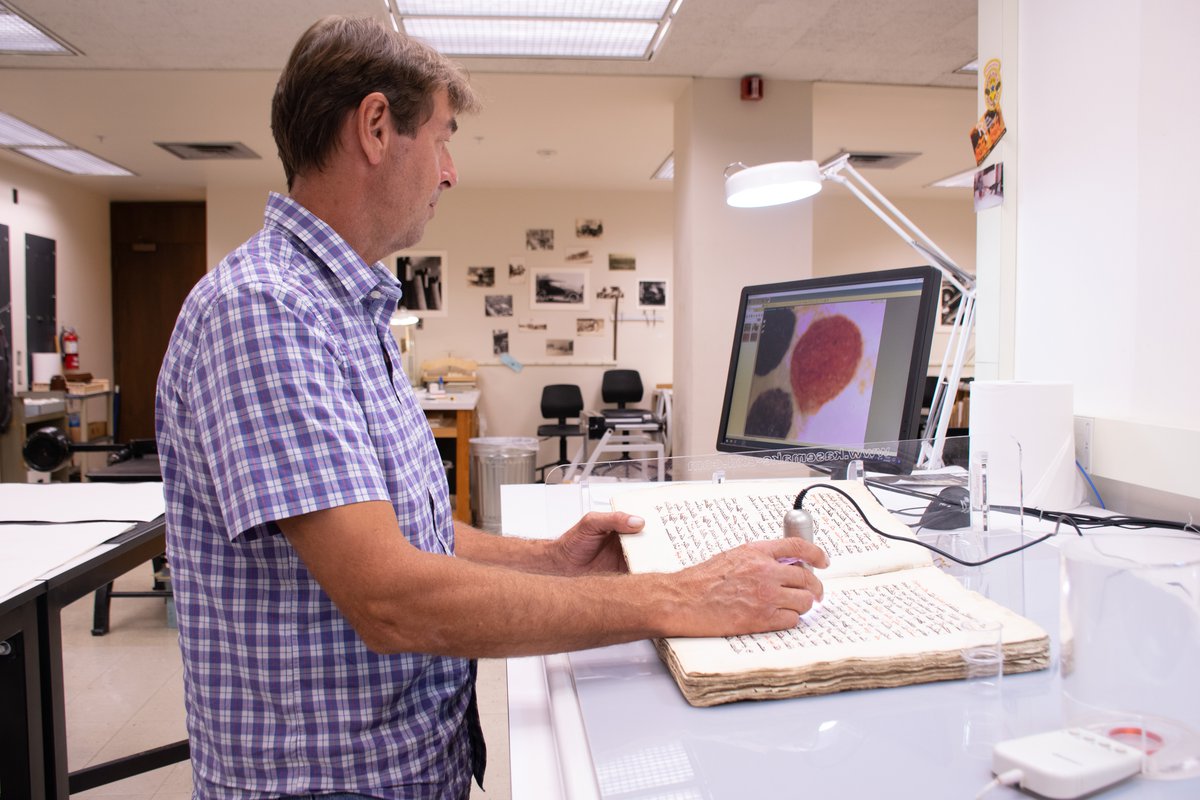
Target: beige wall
77,220
485,227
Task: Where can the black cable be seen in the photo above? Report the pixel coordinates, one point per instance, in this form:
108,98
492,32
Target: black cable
800,500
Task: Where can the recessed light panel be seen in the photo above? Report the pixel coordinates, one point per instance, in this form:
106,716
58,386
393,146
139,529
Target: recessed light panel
530,38
959,180
73,160
14,133
599,29
586,9
18,36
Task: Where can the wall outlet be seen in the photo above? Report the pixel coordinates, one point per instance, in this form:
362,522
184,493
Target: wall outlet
1083,442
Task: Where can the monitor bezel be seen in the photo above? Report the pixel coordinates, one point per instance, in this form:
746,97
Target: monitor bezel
918,368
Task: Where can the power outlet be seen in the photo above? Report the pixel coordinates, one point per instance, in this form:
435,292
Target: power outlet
1083,442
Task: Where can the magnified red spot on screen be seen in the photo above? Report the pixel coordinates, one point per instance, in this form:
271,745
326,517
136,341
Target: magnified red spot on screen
824,361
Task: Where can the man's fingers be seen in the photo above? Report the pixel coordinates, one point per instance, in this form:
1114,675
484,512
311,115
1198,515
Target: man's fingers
807,552
611,522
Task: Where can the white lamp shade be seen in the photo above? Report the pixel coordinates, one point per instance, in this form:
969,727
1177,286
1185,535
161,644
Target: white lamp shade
772,184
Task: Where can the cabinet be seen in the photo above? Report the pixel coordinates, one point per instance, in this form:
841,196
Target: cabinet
26,418
90,410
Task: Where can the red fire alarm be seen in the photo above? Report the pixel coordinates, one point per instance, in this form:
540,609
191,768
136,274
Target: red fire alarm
752,87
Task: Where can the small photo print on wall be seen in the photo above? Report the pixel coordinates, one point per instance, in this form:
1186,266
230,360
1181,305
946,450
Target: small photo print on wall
532,326
652,294
589,228
498,305
565,289
481,276
423,275
951,300
560,347
589,326
621,262
516,270
579,256
989,187
539,239
499,341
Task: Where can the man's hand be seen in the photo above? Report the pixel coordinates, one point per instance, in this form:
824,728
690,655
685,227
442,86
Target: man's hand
747,590
591,546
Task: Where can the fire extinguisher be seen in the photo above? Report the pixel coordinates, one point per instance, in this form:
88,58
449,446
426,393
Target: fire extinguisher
70,350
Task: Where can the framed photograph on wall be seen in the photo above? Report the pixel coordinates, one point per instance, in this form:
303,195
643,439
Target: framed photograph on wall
558,288
652,294
423,273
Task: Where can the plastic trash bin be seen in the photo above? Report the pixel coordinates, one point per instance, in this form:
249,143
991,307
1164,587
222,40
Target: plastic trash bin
495,461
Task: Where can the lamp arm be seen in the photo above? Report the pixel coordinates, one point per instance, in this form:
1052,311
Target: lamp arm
895,219
839,170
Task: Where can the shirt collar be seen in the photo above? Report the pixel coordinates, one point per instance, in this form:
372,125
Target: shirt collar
357,277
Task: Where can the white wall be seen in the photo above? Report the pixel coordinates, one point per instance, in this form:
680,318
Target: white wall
1105,277
721,249
77,220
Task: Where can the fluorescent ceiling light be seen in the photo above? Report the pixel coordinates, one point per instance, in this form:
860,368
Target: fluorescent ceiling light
73,160
15,133
666,170
960,180
19,36
587,9
606,29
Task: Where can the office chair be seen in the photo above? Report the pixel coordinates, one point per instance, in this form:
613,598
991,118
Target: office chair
561,401
623,429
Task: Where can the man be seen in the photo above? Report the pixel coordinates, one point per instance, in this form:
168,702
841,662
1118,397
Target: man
328,605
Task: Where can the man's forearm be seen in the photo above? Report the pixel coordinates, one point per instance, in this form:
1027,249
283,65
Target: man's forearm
527,555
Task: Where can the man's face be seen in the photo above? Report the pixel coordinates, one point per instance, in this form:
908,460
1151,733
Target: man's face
420,169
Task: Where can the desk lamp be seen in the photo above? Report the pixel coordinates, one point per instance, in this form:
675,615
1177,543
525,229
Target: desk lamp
406,321
781,182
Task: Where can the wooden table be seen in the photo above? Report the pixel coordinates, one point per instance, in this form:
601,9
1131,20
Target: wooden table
455,415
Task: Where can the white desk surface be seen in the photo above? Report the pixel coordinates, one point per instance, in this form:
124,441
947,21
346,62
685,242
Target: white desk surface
611,721
450,401
36,552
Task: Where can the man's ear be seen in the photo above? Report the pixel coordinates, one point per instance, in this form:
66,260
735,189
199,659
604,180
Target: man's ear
373,126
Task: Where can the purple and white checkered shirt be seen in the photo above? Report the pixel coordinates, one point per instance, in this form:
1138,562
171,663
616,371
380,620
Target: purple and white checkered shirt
274,400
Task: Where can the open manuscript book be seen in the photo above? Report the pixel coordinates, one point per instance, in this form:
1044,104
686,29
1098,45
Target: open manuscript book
889,617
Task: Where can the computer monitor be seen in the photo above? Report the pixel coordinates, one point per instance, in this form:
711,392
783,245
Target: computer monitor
831,361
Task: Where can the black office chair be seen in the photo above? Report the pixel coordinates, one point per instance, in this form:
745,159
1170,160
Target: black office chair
622,386
561,401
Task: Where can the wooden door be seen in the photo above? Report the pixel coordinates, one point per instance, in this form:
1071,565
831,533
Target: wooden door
158,254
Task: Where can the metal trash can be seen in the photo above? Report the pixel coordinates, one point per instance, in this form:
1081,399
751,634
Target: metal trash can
495,461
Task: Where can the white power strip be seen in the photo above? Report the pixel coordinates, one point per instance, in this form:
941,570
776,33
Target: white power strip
1066,763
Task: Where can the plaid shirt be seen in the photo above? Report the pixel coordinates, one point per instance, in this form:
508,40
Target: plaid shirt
275,399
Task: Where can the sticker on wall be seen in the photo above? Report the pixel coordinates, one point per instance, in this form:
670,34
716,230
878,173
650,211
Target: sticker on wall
991,85
990,128
539,239
986,134
589,228
516,270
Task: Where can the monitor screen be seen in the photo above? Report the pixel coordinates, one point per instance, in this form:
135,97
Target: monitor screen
829,361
